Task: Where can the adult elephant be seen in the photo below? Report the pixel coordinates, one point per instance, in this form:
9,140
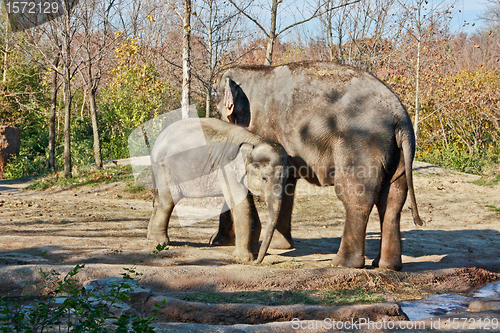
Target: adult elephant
196,158
341,126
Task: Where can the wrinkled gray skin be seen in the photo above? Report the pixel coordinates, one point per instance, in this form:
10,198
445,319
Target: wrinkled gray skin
180,171
341,126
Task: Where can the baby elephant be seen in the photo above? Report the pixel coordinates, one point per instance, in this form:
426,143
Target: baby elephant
195,158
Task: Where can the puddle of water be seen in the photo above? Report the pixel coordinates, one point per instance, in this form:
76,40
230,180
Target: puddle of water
489,290
438,305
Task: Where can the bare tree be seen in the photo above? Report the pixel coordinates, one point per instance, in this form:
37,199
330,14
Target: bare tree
491,15
220,28
185,17
335,24
186,59
56,37
96,42
422,20
54,87
68,32
360,34
273,33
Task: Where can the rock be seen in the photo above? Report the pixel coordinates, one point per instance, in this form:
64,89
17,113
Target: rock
484,305
138,294
10,144
174,310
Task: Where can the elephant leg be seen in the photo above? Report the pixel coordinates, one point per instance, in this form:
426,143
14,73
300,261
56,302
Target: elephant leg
358,202
225,234
162,210
246,230
255,226
282,239
389,207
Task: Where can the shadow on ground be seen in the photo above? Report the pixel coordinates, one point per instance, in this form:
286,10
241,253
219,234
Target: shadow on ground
422,249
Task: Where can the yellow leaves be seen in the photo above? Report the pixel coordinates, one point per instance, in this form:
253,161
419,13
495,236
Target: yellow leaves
151,18
128,49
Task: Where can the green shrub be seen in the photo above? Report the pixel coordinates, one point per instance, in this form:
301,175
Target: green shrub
85,176
456,159
75,312
25,165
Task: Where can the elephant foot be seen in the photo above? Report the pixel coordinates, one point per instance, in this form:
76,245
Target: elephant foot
220,239
280,242
243,255
352,262
395,264
159,237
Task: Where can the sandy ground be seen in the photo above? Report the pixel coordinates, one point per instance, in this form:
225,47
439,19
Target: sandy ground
105,228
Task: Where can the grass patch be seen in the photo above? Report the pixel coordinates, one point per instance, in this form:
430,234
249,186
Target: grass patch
352,296
288,297
132,187
493,208
85,176
488,181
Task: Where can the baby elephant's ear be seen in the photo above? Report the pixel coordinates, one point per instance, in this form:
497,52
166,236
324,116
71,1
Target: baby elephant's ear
222,153
246,150
231,150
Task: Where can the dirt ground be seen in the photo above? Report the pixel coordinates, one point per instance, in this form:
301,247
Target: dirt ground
105,228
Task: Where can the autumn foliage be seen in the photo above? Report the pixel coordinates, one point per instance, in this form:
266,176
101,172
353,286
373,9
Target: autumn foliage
458,76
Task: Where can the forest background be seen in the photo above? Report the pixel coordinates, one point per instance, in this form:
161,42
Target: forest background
79,85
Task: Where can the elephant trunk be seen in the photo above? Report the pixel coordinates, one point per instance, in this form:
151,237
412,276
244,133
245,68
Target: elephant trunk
274,196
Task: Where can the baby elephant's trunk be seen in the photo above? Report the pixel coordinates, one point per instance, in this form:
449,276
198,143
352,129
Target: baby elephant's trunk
274,196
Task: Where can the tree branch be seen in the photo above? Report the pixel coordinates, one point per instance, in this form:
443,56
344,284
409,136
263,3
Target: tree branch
316,14
242,11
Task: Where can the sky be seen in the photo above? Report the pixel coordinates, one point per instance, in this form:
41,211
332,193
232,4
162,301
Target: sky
465,17
470,10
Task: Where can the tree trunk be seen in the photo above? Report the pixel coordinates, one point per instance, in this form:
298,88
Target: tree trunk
52,116
211,65
66,60
417,71
417,92
208,101
6,54
67,122
272,35
91,96
186,61
95,128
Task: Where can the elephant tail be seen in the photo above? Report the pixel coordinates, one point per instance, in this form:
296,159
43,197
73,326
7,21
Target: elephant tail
406,142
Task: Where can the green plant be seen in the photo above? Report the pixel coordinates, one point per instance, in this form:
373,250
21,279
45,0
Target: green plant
63,307
488,181
493,208
456,159
85,176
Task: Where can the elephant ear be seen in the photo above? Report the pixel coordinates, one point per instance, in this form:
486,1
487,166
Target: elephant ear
246,150
222,153
236,103
230,94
